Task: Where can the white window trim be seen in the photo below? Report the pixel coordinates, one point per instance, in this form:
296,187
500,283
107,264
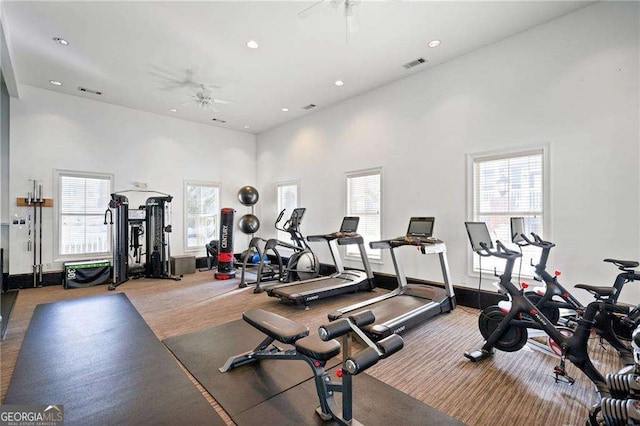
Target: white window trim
57,257
358,173
546,199
186,183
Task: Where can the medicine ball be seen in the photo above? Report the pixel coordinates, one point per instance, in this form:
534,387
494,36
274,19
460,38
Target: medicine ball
248,195
249,224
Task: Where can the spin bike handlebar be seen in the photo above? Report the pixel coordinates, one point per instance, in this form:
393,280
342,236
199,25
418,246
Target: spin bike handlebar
537,241
501,251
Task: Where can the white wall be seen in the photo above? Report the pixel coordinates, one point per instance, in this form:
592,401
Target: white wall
572,83
54,131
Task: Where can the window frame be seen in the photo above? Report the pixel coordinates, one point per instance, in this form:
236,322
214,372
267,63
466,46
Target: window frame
280,235
185,230
545,149
360,173
57,175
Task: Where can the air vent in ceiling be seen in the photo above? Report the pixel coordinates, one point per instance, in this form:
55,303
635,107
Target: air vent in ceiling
414,63
219,120
308,107
93,92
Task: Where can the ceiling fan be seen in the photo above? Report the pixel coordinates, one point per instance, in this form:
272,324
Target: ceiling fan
203,98
348,7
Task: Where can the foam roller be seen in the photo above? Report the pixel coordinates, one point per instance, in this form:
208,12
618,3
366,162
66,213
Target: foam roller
390,345
363,318
361,361
334,329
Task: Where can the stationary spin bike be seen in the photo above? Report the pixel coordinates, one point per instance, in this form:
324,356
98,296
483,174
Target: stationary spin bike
301,265
507,331
552,297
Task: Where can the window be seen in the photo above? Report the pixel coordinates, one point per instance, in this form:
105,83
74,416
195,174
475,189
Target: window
83,199
505,186
202,206
288,198
364,198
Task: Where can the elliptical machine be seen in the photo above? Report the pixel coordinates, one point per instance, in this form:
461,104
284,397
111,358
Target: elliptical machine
302,264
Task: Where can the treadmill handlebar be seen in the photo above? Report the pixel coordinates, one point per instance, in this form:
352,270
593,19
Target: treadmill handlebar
344,238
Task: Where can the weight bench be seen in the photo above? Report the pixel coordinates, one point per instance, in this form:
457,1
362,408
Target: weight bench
316,349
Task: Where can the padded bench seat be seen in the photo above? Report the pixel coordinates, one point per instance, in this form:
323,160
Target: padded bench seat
316,348
273,325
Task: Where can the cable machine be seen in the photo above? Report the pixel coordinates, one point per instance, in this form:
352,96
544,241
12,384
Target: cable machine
127,228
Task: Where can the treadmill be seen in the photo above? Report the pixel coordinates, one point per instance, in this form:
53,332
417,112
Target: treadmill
409,304
342,281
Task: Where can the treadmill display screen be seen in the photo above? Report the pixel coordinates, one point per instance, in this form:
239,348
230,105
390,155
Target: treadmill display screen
517,229
420,227
349,224
478,233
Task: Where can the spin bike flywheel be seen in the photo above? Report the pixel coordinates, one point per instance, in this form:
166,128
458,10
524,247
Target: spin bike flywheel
551,312
513,338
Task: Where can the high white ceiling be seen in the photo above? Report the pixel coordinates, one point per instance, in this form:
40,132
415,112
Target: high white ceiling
130,51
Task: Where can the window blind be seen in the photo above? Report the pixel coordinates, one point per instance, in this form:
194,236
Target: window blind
202,207
83,201
364,200
509,186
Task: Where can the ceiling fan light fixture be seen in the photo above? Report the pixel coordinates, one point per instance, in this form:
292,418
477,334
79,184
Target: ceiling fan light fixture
252,44
434,43
61,41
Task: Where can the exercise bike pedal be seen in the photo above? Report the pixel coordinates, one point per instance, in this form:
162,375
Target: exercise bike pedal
560,376
478,355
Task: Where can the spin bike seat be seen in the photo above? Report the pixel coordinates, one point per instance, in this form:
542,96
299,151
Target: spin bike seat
623,263
598,292
273,325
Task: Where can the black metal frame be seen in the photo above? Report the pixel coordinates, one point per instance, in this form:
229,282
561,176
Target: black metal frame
279,272
325,386
603,319
574,348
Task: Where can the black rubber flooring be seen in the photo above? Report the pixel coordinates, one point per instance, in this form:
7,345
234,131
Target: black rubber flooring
282,392
203,352
99,358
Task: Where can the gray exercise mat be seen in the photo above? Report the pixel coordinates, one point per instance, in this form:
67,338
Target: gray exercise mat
375,403
99,358
237,390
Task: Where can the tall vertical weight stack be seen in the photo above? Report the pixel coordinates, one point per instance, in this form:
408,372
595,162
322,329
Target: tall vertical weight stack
225,252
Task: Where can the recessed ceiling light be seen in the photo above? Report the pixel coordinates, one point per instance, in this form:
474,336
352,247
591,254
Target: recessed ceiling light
252,44
174,110
61,41
55,82
434,43
339,83
285,109
247,127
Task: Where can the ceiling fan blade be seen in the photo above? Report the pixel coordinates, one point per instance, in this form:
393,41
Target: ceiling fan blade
222,101
353,23
306,12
